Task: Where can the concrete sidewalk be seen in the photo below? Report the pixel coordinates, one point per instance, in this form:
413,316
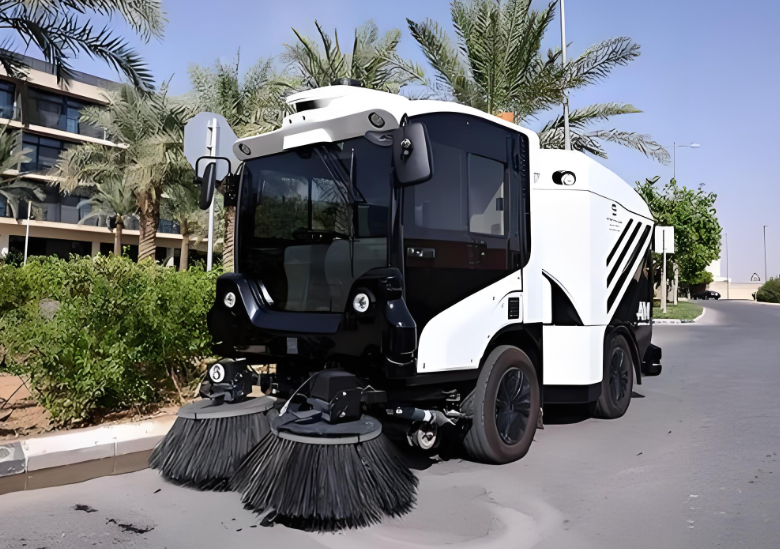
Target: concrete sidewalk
72,456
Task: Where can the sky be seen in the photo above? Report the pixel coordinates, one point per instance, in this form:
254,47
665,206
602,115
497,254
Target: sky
708,74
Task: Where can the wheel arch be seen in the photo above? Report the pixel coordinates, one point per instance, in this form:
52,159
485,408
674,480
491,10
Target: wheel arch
526,337
632,344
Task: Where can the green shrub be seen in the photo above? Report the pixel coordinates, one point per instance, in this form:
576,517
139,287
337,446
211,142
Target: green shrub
769,292
104,333
12,257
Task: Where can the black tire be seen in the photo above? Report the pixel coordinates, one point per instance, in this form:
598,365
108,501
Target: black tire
502,429
618,379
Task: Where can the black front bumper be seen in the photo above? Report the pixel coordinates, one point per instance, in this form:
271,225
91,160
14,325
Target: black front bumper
383,337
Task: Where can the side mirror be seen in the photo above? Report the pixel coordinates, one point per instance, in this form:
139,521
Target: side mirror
207,184
412,156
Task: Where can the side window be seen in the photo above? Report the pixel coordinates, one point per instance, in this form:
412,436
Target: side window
438,203
469,190
486,195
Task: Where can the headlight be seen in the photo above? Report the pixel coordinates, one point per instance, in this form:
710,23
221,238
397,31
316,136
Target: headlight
361,303
230,300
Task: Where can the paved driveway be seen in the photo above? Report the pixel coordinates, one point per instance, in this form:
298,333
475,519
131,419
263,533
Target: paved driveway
692,464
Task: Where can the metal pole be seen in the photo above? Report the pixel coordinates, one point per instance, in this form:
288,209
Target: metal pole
663,276
765,271
27,232
566,133
728,280
210,252
674,160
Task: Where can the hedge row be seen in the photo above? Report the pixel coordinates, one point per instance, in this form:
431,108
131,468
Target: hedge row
769,292
104,333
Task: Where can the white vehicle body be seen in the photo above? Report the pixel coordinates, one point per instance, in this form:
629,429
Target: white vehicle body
588,242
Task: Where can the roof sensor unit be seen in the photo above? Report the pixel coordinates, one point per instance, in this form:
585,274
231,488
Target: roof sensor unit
347,82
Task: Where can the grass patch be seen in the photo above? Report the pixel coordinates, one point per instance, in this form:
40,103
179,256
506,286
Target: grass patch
684,310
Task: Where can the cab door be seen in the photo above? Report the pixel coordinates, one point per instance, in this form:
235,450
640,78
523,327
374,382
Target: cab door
457,225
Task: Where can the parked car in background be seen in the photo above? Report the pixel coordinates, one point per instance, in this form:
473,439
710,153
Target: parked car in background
707,294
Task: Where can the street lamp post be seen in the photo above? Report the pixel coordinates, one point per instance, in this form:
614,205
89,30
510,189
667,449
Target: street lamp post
674,155
566,131
728,280
765,271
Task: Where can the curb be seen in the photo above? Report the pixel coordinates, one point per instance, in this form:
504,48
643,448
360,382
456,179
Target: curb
79,455
703,310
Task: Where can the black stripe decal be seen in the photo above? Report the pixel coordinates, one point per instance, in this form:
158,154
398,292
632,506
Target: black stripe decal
620,239
623,253
629,266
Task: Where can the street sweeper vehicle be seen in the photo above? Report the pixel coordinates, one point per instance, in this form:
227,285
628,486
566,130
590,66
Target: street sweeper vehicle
416,270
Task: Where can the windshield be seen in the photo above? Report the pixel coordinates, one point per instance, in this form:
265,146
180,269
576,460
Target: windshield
313,220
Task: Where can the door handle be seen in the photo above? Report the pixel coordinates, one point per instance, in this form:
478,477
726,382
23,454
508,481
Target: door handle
421,253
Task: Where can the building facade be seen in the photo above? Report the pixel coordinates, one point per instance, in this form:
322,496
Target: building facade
48,116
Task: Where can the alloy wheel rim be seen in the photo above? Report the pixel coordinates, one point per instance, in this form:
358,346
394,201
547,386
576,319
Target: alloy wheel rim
618,375
513,405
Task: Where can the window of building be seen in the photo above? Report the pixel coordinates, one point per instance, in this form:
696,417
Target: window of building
42,152
169,227
7,93
60,112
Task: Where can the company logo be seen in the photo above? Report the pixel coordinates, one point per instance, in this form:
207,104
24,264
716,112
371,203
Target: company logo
614,209
643,314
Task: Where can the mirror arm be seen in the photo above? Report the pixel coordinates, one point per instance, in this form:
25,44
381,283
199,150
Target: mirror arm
232,181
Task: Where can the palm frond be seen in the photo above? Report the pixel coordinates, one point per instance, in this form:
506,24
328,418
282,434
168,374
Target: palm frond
598,61
374,60
57,28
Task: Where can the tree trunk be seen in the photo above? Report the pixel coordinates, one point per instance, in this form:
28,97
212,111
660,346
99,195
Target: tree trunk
184,259
120,224
676,282
149,220
227,247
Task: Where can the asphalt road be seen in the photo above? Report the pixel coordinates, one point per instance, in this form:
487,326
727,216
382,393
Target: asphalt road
692,464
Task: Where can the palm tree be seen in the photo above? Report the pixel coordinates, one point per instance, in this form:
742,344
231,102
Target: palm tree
149,129
59,30
181,206
373,60
112,200
253,105
496,66
12,189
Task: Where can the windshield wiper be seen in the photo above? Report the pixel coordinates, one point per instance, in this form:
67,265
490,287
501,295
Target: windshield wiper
343,179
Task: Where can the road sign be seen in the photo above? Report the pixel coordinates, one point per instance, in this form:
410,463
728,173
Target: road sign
664,240
199,140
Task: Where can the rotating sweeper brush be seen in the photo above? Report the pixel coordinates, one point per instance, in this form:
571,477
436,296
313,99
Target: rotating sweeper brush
325,466
212,436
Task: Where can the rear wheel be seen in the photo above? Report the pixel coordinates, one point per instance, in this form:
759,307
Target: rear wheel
618,380
506,403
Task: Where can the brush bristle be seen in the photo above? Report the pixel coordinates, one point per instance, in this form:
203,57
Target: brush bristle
326,488
204,453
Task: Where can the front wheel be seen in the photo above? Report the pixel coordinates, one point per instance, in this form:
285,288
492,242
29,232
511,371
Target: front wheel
617,382
506,404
